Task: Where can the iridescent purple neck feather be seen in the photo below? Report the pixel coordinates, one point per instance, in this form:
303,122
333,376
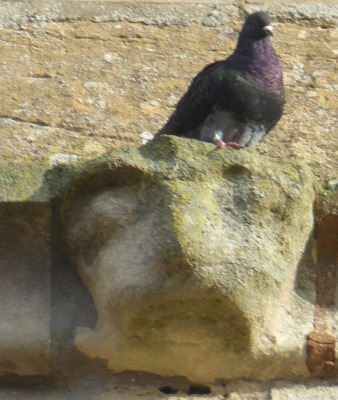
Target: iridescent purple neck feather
259,64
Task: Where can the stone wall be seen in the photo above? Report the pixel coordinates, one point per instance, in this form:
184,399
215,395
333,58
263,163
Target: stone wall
80,78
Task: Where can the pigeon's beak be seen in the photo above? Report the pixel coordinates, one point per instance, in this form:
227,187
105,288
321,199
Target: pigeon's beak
268,29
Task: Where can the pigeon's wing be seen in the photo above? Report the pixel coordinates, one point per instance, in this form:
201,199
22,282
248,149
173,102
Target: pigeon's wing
197,103
222,98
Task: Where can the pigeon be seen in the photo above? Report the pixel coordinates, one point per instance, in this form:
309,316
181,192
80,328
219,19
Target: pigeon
234,102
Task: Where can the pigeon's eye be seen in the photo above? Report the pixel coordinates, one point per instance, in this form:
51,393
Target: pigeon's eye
254,24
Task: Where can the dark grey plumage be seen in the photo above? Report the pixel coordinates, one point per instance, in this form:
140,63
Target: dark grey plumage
236,101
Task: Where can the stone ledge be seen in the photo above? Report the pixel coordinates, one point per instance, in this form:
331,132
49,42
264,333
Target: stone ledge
134,387
159,12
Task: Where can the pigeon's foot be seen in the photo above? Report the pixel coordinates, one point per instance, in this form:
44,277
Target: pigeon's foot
221,145
234,145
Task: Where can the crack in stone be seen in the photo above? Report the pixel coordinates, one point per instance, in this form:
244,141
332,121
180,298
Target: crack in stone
39,123
17,119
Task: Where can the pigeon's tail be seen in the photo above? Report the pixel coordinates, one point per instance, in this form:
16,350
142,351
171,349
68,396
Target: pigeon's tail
161,132
167,129
172,128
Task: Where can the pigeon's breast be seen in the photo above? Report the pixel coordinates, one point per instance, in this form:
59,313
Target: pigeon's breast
248,101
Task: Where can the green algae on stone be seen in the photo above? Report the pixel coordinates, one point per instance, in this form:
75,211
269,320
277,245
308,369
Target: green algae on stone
23,181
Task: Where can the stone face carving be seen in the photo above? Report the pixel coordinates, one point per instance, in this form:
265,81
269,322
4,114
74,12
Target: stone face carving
192,258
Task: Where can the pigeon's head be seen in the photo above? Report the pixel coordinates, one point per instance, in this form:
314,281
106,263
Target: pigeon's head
257,26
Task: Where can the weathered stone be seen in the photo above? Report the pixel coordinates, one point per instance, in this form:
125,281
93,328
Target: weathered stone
40,294
322,349
25,270
310,391
23,182
125,388
191,257
25,289
321,353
